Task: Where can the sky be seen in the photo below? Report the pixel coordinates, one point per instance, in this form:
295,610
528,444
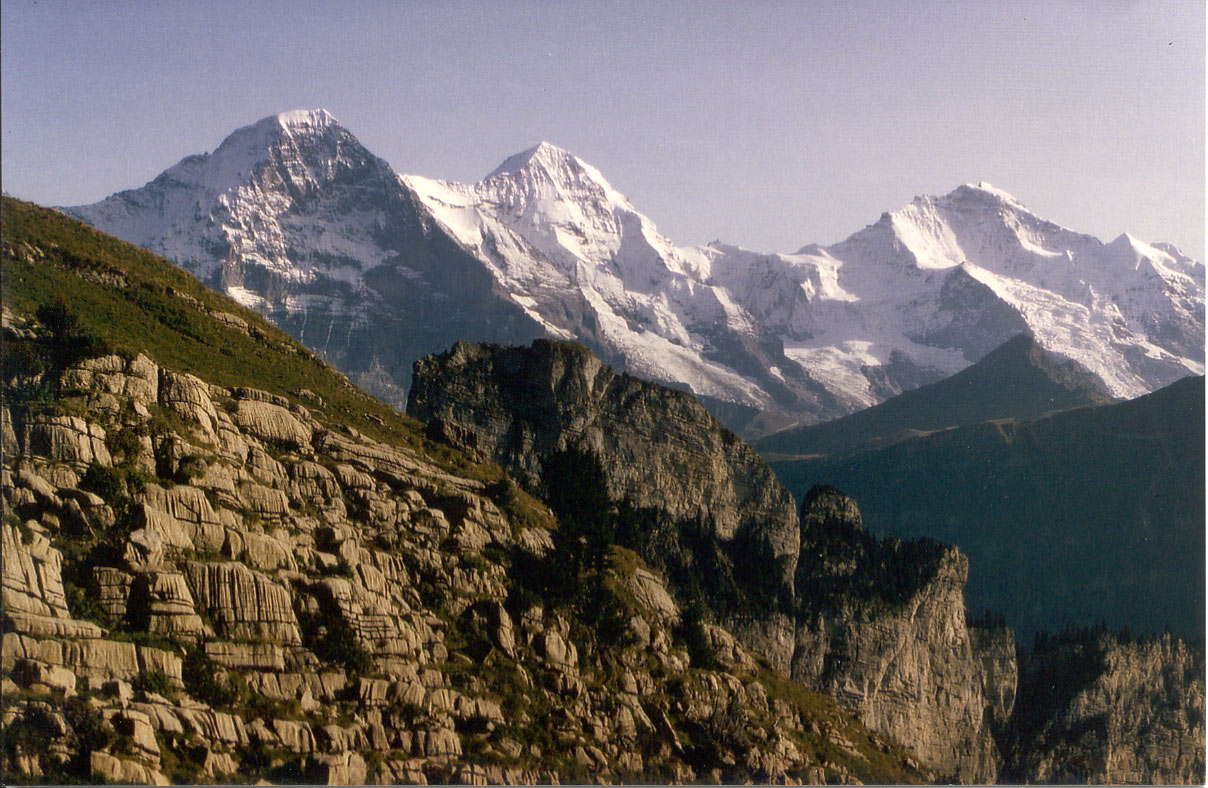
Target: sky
763,124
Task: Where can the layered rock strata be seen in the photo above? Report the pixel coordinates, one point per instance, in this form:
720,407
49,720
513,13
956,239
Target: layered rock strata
211,584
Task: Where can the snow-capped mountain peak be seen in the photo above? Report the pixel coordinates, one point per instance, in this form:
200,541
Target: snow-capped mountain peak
986,188
548,173
236,197
309,137
543,154
306,118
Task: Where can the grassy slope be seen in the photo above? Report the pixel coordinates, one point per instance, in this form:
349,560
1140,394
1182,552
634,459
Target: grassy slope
166,313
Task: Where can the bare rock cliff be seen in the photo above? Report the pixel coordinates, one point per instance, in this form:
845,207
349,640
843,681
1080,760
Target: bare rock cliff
1096,708
881,628
878,625
660,449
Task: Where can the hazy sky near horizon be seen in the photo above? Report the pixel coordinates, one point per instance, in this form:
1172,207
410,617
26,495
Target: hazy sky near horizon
768,125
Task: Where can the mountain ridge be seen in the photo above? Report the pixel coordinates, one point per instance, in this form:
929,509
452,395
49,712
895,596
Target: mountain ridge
1017,380
915,297
1089,515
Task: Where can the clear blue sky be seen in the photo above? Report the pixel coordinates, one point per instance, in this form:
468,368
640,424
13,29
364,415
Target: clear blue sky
768,125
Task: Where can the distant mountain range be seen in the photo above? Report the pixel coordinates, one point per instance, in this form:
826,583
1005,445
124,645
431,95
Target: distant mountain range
1090,515
293,217
1018,380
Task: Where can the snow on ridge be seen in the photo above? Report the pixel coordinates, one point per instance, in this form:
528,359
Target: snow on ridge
518,161
851,301
984,186
581,261
306,117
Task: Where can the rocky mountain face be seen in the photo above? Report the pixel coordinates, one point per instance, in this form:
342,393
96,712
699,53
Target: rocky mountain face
223,563
879,625
297,220
1090,515
1098,708
1018,380
659,449
881,628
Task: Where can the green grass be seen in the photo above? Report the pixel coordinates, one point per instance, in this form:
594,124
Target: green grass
874,767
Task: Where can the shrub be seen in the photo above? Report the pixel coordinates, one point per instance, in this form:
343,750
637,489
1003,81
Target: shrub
68,342
91,730
334,640
154,681
207,681
109,483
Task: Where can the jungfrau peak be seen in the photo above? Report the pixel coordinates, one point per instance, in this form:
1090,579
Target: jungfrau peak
946,279
294,217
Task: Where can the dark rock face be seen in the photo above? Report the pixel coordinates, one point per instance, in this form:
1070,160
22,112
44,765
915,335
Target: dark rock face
977,320
878,624
1095,709
518,406
660,449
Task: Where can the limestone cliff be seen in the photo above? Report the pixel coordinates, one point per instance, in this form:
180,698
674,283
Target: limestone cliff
881,628
1096,708
660,449
295,601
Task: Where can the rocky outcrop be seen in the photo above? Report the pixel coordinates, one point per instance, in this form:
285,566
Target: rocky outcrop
1096,708
659,449
881,628
67,439
272,423
519,406
33,597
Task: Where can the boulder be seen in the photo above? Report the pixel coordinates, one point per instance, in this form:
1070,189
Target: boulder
272,423
243,603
